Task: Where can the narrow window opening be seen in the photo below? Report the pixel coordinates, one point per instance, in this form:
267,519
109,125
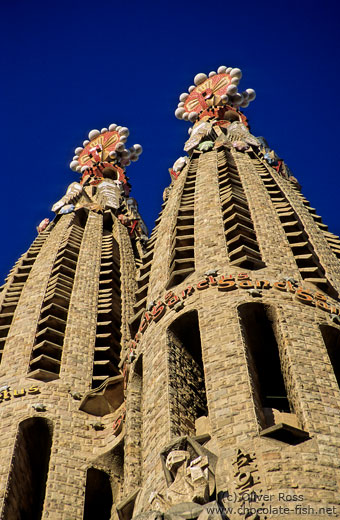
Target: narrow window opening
27,481
241,240
275,411
46,356
264,359
108,333
331,337
188,394
98,495
182,258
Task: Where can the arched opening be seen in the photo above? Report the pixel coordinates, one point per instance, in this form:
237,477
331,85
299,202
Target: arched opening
331,337
98,495
263,358
27,481
187,386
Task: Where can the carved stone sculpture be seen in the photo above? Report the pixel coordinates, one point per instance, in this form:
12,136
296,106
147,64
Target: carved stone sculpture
189,470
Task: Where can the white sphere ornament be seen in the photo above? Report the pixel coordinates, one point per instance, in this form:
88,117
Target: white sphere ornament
235,80
138,148
221,69
123,138
103,130
78,150
191,88
75,157
179,112
224,98
231,89
237,99
112,154
245,103
212,73
73,165
124,131
83,168
180,104
192,116
78,169
93,134
229,69
133,157
183,96
125,162
236,73
85,142
185,116
120,147
251,94
112,127
199,78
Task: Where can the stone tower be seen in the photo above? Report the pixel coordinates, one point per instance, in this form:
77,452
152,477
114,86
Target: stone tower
64,317
193,375
233,397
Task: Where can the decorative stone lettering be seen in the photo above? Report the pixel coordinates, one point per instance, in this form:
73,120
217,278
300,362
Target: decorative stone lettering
7,394
226,283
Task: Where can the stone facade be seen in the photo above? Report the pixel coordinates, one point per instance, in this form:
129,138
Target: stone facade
216,395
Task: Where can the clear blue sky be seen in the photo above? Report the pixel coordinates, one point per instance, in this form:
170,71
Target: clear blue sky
69,67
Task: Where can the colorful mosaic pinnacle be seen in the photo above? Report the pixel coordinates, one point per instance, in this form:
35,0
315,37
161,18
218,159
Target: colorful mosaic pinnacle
217,90
104,150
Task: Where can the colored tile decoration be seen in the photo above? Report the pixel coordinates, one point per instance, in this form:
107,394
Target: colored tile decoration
214,86
213,96
105,155
98,150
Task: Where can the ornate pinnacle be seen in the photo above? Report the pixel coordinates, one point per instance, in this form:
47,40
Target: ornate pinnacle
213,93
105,154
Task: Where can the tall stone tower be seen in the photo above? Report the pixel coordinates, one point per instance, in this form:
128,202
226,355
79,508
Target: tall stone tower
64,317
233,397
193,375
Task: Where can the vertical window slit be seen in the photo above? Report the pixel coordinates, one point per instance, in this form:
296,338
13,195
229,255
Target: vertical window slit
47,351
331,338
264,361
29,470
13,290
108,334
182,257
188,400
241,241
98,495
306,259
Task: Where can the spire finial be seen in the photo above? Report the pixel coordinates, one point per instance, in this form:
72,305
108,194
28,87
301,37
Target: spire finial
213,93
105,150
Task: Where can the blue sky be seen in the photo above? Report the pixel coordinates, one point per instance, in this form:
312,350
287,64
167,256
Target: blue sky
69,67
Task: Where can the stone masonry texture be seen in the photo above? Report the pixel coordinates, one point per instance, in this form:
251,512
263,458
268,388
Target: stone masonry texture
178,425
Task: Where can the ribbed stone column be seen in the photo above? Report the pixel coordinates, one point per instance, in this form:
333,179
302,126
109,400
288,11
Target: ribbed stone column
210,244
22,333
80,332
